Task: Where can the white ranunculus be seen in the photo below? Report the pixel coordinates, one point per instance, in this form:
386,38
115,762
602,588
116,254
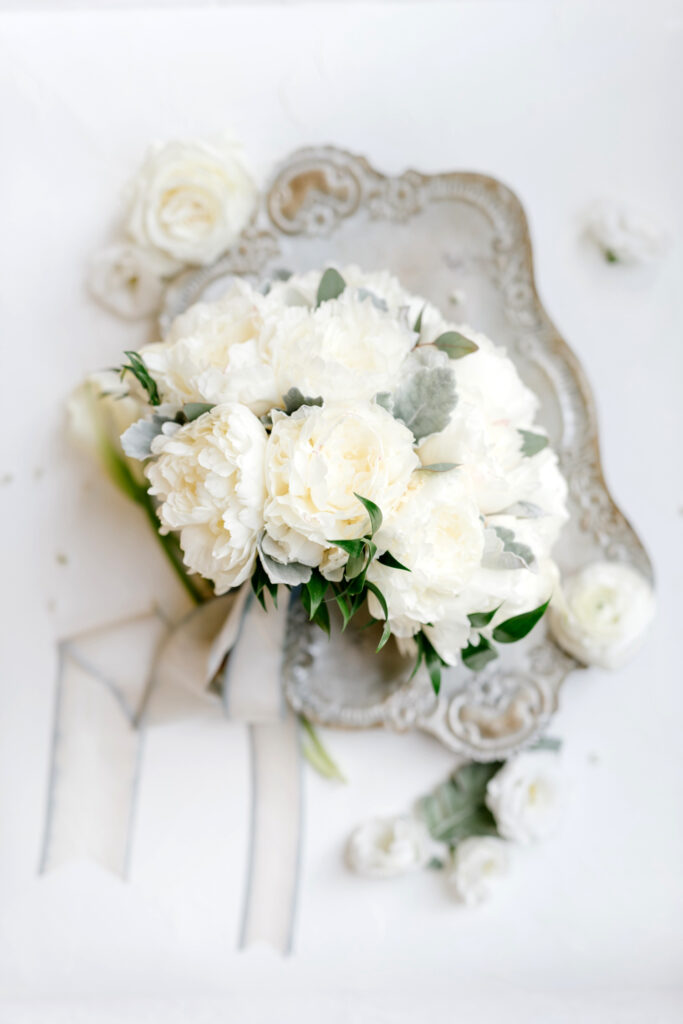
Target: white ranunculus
436,531
602,614
525,797
477,864
387,847
128,279
191,200
624,235
316,461
346,349
211,354
209,479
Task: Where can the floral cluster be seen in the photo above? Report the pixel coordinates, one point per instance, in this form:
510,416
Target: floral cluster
332,431
475,816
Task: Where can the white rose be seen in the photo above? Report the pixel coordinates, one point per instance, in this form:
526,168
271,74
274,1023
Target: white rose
602,614
437,533
316,461
128,280
477,864
191,200
211,354
209,479
387,847
346,349
525,797
624,235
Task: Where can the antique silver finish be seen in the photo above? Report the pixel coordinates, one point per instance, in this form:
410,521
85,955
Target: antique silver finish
438,233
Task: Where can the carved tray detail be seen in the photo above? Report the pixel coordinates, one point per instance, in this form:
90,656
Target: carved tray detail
437,233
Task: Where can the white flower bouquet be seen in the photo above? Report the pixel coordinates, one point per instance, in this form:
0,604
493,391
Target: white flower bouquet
331,432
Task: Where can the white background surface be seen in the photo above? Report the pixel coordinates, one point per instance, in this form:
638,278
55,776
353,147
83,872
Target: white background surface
565,103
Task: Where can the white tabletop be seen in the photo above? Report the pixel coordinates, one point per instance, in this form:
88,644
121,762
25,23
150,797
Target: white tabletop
566,103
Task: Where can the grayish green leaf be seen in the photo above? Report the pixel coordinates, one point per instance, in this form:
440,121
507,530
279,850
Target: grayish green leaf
289,573
455,345
438,467
532,443
193,410
477,657
457,808
523,510
136,442
331,286
294,399
502,551
379,303
425,400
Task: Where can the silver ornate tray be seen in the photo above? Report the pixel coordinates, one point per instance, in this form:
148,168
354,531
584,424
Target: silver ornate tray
438,233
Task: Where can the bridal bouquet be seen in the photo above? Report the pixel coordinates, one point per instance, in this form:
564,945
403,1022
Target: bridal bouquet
332,433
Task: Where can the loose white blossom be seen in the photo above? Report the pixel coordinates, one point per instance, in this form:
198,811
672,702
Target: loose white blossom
602,614
98,412
128,279
478,863
388,847
208,477
525,797
211,354
623,234
317,460
191,200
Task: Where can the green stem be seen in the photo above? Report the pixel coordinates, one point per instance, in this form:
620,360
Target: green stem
170,548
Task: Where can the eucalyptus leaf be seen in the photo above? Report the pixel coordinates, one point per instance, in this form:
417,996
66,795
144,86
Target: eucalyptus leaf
425,400
549,743
331,286
294,399
455,345
518,626
457,808
532,443
379,303
438,467
418,323
136,441
193,410
503,552
290,573
477,657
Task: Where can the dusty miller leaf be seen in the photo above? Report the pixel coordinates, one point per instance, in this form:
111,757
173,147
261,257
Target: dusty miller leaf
425,400
137,440
294,399
289,573
532,443
502,551
457,808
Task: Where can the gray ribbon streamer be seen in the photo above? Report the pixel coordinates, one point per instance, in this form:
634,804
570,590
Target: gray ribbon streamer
116,682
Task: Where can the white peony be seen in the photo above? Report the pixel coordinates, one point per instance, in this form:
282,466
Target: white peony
477,864
211,354
624,235
387,847
525,797
346,349
437,533
602,614
316,461
191,200
488,380
128,279
209,479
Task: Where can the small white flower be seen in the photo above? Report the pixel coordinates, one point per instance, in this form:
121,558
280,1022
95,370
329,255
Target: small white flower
211,354
624,235
387,847
191,200
209,479
602,614
477,865
98,412
128,280
317,460
525,797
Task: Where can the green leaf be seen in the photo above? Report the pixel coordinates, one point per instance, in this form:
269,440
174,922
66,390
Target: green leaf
260,584
373,511
550,743
345,607
425,399
438,467
322,618
418,323
386,633
393,563
532,443
137,367
457,808
316,754
315,589
193,410
519,625
355,565
294,399
433,661
376,300
481,619
374,589
477,657
331,286
352,547
455,345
